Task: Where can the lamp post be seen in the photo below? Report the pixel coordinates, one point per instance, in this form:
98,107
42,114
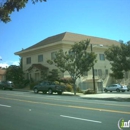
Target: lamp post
94,87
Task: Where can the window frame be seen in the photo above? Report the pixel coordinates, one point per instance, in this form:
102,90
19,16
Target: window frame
53,56
102,57
28,60
40,58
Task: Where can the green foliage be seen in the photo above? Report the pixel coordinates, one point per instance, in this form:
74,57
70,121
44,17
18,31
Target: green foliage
10,6
32,84
76,62
68,87
53,75
78,90
119,57
56,82
21,63
44,74
14,73
66,80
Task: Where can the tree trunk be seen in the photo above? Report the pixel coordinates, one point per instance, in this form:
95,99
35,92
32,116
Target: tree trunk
74,87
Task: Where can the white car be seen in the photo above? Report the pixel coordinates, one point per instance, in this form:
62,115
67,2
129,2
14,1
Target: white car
116,87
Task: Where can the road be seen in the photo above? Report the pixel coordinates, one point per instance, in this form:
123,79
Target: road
29,111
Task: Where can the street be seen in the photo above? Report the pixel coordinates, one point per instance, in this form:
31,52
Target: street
29,111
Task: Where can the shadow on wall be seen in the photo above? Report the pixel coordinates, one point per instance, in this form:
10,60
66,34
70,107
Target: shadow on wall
89,85
84,85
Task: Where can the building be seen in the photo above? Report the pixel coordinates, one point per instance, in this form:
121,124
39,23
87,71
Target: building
35,58
2,74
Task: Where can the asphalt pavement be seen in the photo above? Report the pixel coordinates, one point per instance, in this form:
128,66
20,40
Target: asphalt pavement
29,111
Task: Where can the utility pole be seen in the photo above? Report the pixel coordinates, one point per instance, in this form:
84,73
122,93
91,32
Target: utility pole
94,87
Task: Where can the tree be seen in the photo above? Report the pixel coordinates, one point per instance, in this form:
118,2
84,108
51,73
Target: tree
10,6
21,63
53,75
76,61
119,57
14,73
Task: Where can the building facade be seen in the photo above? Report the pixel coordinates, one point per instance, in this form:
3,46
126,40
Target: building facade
2,74
35,58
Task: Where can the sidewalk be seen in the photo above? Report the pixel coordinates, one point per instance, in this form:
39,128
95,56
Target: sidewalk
102,96
108,96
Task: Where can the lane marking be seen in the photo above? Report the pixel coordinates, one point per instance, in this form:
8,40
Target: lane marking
76,118
106,104
69,106
4,105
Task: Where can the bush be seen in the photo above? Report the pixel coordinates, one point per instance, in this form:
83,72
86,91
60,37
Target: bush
89,91
32,84
69,87
66,80
22,84
78,90
56,82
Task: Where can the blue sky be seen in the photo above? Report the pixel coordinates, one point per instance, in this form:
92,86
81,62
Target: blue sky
101,18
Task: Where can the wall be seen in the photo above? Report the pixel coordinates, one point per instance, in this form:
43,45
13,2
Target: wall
47,55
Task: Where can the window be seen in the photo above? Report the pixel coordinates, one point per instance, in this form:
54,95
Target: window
40,58
28,60
95,72
53,56
101,56
99,72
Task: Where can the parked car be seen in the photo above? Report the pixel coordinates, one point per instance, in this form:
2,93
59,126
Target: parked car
49,87
115,87
6,85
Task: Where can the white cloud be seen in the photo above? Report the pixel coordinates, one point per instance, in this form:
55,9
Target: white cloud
15,63
4,65
8,63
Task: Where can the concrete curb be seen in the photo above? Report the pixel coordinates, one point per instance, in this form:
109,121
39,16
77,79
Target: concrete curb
22,90
109,99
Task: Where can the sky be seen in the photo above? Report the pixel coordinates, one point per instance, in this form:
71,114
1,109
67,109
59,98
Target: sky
100,18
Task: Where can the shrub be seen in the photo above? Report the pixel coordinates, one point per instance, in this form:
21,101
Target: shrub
32,84
66,80
22,84
78,90
69,87
56,82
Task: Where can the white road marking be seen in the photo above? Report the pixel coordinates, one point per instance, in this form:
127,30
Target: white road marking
1,105
76,118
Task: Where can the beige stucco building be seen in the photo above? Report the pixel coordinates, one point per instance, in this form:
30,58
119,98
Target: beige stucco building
2,74
35,58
